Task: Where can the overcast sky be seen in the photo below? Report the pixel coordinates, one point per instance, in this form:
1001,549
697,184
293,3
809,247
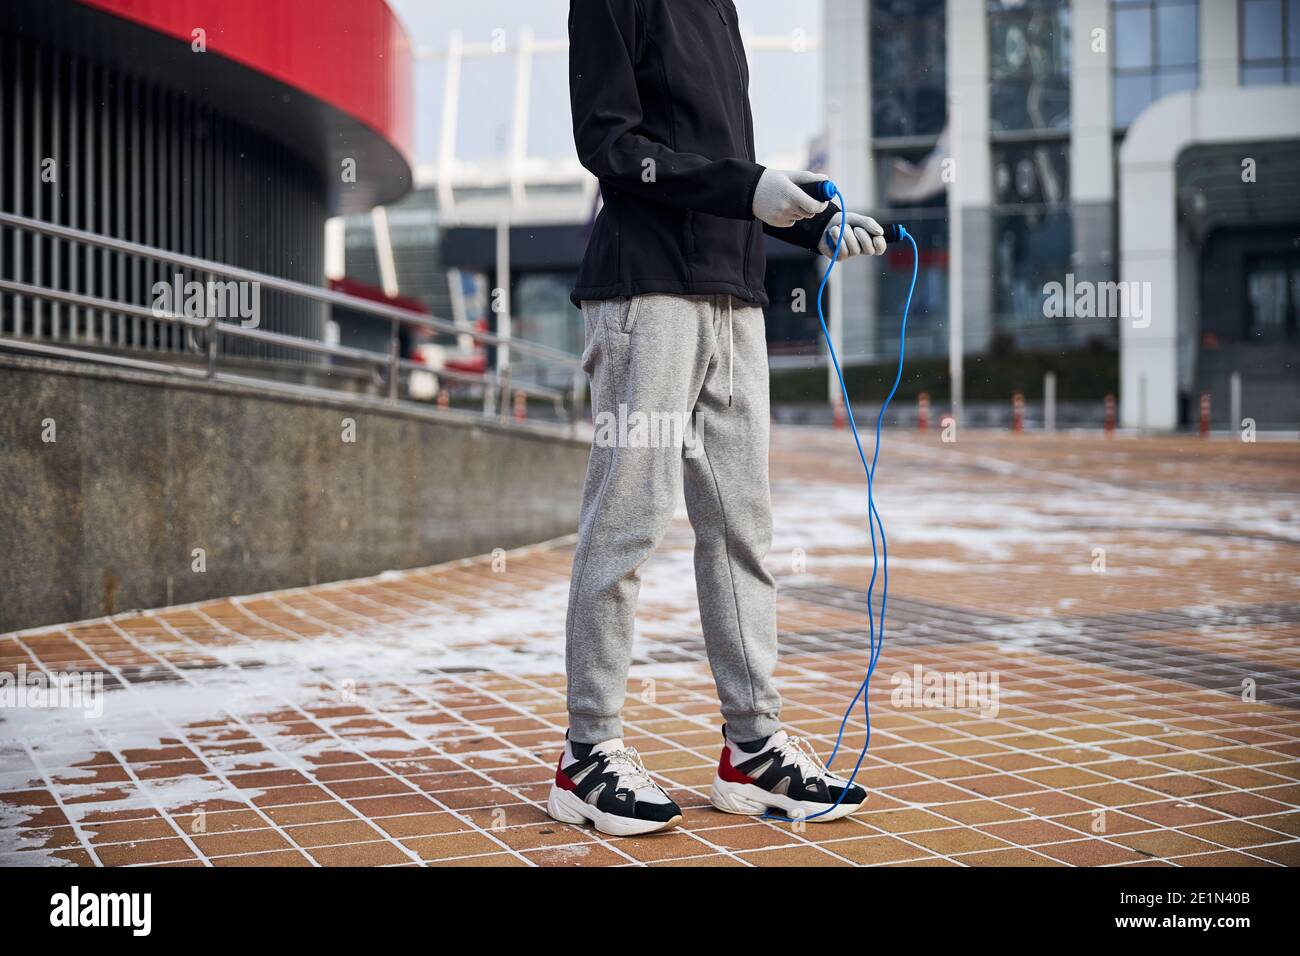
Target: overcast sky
784,88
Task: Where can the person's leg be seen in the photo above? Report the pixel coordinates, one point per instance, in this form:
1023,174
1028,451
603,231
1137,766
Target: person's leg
730,507
648,356
761,768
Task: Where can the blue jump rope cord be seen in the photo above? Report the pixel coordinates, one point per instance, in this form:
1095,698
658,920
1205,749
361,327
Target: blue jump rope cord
879,561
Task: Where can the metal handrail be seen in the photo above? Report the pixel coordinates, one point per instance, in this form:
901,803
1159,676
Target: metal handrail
260,335
95,302
215,328
327,296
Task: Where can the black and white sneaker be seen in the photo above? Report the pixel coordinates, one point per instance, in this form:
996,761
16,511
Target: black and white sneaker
607,784
781,774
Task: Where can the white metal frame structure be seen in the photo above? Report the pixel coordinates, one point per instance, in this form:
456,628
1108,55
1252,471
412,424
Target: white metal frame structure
518,170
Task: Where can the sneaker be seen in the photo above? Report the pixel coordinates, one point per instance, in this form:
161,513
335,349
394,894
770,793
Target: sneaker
780,774
608,785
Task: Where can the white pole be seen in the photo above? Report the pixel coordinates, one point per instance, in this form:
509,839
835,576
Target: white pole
1142,403
384,251
1234,401
836,286
450,117
1049,402
335,247
956,314
501,303
456,295
519,133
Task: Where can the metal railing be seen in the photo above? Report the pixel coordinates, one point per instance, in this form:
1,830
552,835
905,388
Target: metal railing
385,368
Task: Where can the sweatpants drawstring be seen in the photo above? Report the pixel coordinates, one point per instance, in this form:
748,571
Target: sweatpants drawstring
731,354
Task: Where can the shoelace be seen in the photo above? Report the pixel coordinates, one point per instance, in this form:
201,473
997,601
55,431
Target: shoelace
805,758
626,762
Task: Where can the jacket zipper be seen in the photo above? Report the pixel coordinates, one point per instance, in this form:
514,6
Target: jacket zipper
749,143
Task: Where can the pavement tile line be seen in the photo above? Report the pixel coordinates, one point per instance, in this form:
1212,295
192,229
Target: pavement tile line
460,706
558,731
611,846
383,835
209,766
243,607
1114,638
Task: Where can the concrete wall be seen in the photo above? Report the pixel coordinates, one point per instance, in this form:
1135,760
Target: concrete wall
145,469
1151,367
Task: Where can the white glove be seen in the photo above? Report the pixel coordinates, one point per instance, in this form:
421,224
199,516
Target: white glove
865,236
778,200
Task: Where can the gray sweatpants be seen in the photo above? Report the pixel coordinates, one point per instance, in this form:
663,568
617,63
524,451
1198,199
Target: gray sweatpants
653,361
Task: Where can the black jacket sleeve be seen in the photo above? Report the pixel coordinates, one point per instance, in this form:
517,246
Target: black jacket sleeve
603,48
806,233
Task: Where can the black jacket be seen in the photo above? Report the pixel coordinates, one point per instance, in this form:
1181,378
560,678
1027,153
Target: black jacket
660,97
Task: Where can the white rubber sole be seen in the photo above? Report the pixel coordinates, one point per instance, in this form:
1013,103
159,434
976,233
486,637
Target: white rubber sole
749,800
568,807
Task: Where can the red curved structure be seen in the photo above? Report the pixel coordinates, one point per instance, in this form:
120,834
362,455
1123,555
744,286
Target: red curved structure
353,55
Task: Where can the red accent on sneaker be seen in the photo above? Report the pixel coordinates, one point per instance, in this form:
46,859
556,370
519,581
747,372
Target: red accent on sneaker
729,773
562,779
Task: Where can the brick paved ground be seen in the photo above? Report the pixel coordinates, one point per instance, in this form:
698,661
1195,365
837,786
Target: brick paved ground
1147,713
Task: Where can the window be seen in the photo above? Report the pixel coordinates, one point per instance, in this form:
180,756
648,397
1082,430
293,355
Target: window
913,190
908,71
1029,64
1033,238
1029,80
1031,175
1156,52
1270,42
1272,300
909,94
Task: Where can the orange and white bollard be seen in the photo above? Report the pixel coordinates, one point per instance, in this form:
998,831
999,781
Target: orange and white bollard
839,419
521,406
1205,414
923,412
1017,413
1109,424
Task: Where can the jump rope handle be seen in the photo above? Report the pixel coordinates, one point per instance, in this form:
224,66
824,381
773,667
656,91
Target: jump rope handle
824,190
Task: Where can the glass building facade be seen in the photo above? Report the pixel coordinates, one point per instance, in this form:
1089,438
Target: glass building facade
1029,65
909,115
1270,42
1029,115
1157,52
998,135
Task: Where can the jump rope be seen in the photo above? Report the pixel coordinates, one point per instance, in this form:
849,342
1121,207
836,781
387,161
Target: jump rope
824,191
